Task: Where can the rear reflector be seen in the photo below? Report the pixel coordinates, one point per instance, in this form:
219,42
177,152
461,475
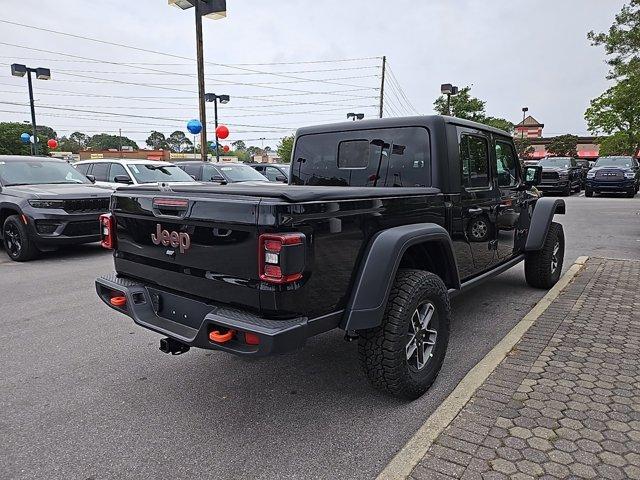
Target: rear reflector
108,231
251,338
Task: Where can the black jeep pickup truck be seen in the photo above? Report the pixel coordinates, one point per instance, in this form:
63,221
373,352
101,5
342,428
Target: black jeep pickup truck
373,234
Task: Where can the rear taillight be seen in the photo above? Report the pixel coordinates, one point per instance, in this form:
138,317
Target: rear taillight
281,257
108,231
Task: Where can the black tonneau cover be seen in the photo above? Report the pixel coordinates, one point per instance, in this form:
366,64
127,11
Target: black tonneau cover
289,193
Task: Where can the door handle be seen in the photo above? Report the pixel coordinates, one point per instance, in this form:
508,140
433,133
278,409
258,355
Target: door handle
474,211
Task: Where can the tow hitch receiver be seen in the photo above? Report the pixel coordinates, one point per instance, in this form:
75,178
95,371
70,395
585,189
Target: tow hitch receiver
174,347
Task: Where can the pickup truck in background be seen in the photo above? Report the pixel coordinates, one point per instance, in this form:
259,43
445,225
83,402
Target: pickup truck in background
382,222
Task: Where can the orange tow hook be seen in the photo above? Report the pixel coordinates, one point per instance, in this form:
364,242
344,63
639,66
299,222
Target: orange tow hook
219,337
119,301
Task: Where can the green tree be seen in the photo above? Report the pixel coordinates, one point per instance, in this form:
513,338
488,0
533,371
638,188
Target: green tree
500,123
463,105
178,142
622,42
617,111
74,143
157,141
10,143
104,141
616,144
285,149
563,146
239,145
523,146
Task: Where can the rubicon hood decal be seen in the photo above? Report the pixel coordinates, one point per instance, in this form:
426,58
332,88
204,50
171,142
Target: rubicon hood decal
174,239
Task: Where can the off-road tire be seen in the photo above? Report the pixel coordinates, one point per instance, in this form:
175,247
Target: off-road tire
382,349
28,249
631,193
588,192
538,268
568,190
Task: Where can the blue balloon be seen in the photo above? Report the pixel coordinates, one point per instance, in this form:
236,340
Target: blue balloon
25,137
194,126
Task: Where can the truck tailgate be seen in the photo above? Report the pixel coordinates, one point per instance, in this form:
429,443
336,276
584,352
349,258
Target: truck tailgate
205,246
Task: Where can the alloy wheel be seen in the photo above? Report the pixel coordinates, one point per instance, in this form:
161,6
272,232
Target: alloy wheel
12,240
554,257
422,336
479,229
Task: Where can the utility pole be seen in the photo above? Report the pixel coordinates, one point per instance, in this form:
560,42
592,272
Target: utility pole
201,104
120,141
33,114
384,67
524,113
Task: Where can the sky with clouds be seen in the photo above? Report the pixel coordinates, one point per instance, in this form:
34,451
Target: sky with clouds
291,63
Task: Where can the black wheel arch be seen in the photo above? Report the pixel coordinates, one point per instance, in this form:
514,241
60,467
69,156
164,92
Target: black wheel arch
6,210
425,246
543,213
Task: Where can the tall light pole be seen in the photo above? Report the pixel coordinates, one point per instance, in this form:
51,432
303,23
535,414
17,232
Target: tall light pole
448,90
212,97
214,9
19,70
524,113
355,116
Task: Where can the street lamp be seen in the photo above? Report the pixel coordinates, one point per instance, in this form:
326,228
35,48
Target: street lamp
524,113
355,116
19,70
214,9
448,90
212,97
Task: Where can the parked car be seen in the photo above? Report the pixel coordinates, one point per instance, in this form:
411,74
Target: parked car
255,270
275,172
45,203
585,166
560,175
117,172
614,174
221,172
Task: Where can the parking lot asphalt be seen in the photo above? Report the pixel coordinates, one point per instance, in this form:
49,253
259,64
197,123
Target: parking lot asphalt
84,393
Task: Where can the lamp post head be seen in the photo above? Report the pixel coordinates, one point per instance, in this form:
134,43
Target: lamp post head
214,9
18,70
224,98
351,115
43,74
525,109
360,116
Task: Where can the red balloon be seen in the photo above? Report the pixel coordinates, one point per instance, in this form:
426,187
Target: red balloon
222,131
52,143
226,148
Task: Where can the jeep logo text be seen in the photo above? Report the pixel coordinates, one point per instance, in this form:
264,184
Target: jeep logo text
173,239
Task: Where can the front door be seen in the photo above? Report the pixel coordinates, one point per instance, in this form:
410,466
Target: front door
478,197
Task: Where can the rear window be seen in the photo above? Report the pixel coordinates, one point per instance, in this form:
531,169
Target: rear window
152,173
387,157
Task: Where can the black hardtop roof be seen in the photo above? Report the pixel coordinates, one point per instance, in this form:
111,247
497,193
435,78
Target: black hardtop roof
29,158
289,193
394,122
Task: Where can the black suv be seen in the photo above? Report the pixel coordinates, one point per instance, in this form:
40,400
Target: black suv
45,203
613,174
370,237
221,172
275,172
560,175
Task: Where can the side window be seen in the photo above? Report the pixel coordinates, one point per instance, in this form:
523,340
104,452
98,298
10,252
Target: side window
209,172
101,171
84,168
474,161
193,170
506,165
271,173
117,170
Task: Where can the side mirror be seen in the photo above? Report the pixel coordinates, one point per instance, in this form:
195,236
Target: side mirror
91,178
281,178
532,175
122,179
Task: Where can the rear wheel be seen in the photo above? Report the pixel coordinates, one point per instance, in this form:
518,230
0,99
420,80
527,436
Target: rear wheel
588,192
405,353
543,268
17,242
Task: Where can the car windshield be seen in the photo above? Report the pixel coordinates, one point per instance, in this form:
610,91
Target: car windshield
241,173
558,162
39,172
625,162
150,173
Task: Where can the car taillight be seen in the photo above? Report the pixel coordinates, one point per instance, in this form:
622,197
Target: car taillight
108,231
281,257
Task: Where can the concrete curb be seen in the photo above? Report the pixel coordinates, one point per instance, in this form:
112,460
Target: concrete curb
410,455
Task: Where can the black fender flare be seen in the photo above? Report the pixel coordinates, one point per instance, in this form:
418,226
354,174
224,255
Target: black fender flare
543,212
378,268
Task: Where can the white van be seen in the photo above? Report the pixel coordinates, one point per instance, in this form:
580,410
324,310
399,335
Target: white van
115,172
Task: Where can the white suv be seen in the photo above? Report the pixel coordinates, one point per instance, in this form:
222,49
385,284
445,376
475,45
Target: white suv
117,172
